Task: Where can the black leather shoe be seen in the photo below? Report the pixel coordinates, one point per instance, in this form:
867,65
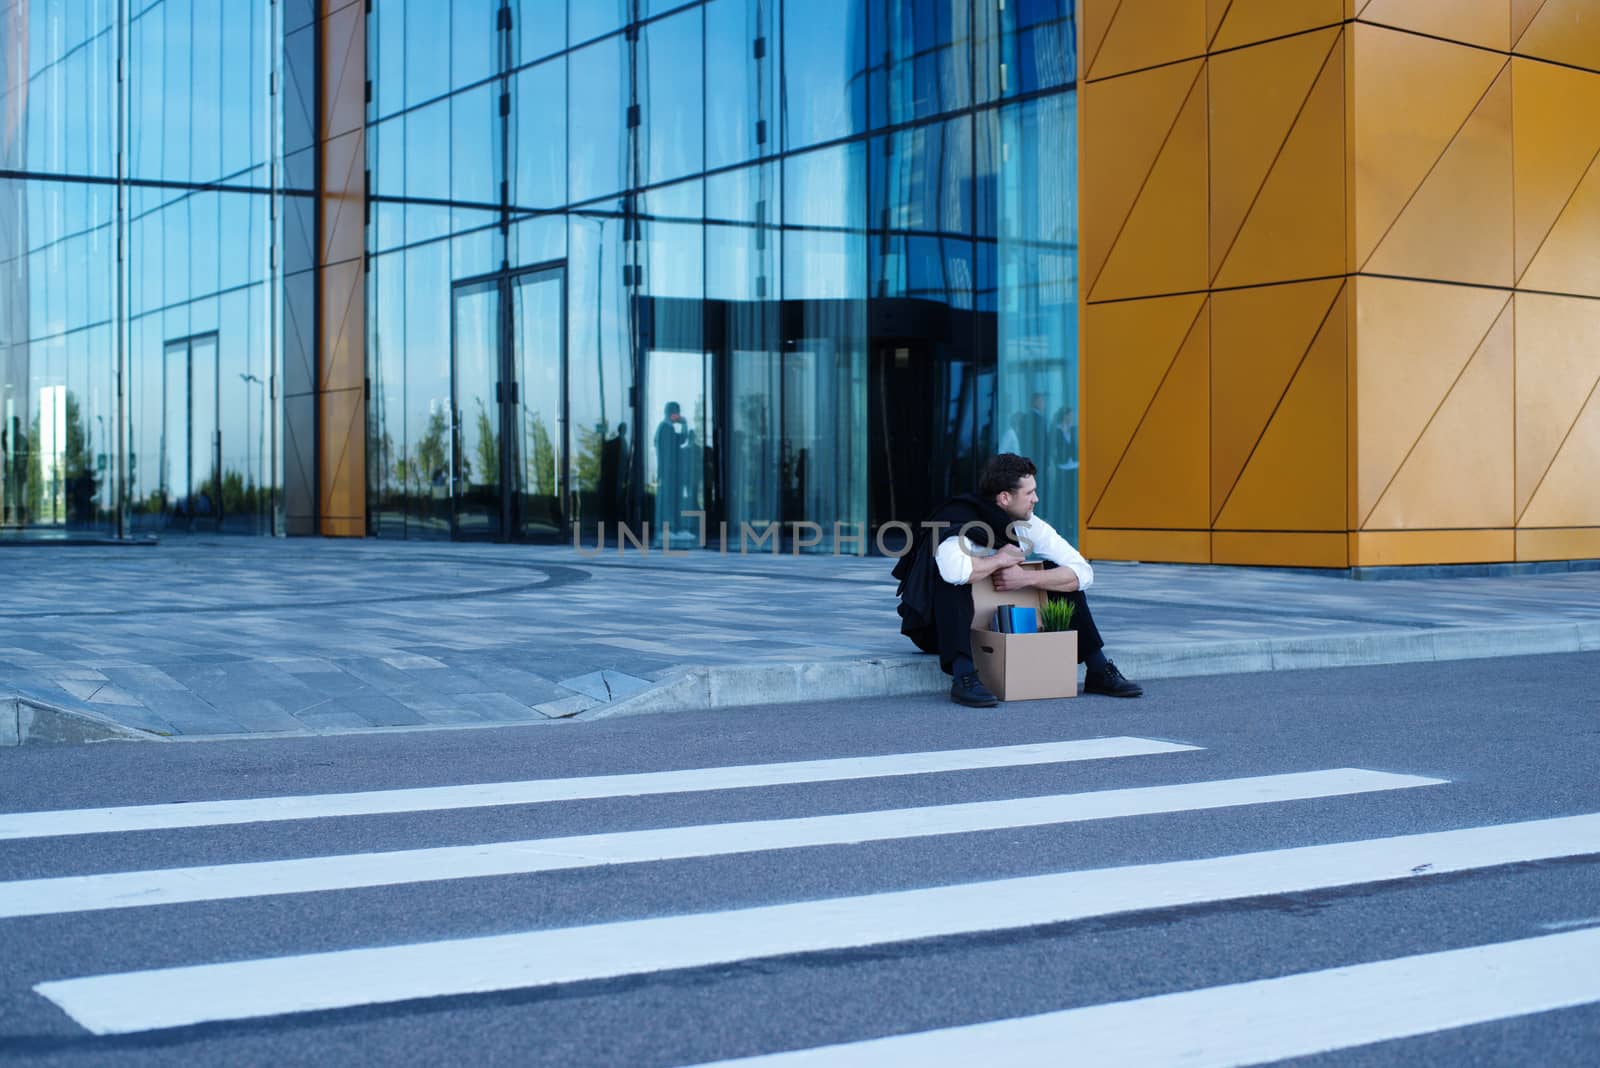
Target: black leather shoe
1111,683
968,689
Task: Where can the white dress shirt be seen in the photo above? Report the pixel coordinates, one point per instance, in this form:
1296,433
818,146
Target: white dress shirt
955,553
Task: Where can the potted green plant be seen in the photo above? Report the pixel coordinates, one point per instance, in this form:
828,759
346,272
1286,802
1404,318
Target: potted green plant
1056,614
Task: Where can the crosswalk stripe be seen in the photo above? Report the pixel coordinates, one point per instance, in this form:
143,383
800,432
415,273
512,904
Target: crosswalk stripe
1252,1023
380,802
173,997
78,893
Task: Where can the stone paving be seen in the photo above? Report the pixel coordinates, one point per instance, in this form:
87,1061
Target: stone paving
221,636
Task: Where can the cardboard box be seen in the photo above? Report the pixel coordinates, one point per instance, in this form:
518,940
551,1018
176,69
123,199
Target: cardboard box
1021,667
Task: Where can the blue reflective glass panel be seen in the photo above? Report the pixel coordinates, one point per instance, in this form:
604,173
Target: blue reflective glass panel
669,59
539,155
427,29
588,19
474,41
596,116
824,93
922,58
540,26
741,81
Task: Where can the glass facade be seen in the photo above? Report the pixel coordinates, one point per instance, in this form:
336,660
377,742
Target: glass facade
637,261
138,243
627,261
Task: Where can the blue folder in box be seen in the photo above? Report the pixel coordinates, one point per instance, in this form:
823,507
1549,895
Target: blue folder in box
1016,619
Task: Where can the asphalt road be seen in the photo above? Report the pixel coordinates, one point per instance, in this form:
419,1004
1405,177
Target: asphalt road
1433,748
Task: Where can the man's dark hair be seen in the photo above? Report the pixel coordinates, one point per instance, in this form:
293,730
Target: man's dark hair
1003,474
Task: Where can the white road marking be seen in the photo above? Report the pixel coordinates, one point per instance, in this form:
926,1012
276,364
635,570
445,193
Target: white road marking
1251,1023
79,893
537,791
175,997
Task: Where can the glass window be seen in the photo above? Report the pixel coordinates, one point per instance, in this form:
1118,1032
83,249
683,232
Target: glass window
474,41
387,453
427,170
540,26
428,404
386,155
1025,46
824,212
386,58
741,80
177,91
673,247
596,117
824,71
539,154
243,115
427,30
204,118
922,58
669,59
678,392
1037,322
588,19
821,365
600,366
922,197
540,239
475,149
742,234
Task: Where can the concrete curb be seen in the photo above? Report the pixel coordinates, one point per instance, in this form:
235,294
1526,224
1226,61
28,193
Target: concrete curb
724,686
28,721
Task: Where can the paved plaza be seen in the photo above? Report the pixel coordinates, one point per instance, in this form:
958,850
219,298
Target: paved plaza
229,636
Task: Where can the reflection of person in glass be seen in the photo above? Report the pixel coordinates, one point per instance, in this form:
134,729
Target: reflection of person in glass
675,475
986,535
1028,434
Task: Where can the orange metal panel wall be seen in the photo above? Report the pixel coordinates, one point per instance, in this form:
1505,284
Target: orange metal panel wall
341,277
1341,302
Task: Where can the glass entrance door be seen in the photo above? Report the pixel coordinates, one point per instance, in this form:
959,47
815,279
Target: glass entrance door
477,385
508,465
539,367
191,434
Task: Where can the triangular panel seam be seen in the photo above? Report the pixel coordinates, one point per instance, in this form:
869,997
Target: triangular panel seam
1298,367
1110,24
1155,162
1472,111
1566,205
1537,486
1178,352
1276,157
1443,400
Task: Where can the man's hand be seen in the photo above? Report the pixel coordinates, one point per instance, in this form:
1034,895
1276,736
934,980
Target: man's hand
1007,556
1014,578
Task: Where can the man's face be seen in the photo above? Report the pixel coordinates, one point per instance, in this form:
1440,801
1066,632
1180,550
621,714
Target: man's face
1019,503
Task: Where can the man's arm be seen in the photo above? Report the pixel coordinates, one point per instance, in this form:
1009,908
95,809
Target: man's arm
1044,540
959,566
1060,579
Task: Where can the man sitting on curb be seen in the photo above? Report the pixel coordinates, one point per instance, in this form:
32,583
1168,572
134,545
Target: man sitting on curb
936,581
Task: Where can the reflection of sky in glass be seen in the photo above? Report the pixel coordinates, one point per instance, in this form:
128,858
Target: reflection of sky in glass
823,90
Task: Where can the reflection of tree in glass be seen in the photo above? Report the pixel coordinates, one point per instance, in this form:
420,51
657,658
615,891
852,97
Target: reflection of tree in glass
541,464
586,464
431,452
487,448
386,469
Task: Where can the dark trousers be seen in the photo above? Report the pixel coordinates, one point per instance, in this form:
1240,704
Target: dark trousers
952,620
